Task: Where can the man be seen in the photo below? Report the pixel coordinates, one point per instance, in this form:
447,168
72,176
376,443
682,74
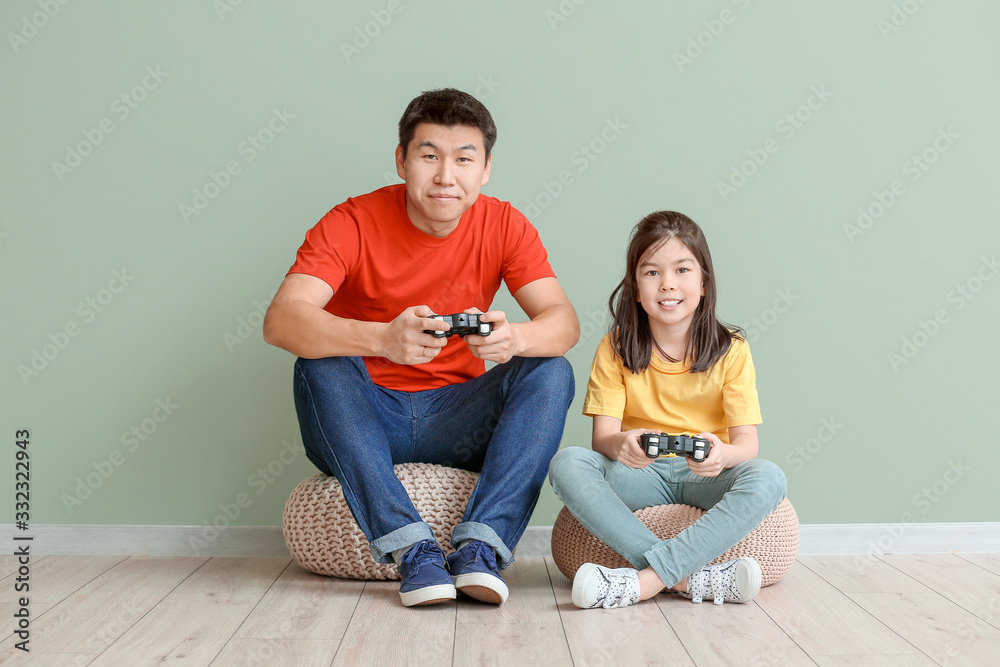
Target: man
373,388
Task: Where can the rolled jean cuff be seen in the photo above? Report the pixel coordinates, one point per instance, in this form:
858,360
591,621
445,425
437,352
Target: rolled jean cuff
666,567
471,530
406,536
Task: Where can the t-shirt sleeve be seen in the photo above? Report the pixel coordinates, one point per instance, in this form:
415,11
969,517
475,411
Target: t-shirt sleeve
739,391
606,387
525,258
330,250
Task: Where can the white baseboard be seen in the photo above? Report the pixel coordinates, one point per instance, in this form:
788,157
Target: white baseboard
815,539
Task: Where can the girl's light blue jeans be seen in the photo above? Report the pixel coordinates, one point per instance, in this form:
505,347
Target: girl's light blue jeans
602,494
505,424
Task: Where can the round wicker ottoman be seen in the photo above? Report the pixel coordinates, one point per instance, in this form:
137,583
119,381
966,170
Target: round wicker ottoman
323,537
773,543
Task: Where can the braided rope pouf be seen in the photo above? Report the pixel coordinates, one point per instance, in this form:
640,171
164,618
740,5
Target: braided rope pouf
773,543
323,537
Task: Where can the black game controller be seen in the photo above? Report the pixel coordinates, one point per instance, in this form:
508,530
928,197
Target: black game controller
661,444
462,324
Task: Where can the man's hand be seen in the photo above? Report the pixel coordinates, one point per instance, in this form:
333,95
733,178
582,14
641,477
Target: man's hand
403,340
503,343
717,459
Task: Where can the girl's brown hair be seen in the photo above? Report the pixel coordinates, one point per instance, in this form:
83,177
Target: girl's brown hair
631,337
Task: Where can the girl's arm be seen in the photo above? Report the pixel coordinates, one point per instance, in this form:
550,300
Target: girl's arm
743,447
618,445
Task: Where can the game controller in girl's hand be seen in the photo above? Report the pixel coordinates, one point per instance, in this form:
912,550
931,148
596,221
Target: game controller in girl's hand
656,445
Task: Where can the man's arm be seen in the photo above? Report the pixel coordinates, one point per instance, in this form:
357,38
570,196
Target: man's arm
295,321
552,330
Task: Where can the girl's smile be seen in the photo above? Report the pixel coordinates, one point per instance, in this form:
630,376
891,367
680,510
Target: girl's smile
670,287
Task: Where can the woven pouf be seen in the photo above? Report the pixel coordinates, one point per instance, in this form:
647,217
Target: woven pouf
773,543
323,537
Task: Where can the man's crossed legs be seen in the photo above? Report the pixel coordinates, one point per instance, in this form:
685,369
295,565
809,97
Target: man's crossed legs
506,424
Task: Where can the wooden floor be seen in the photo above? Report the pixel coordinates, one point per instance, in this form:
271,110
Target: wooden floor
837,610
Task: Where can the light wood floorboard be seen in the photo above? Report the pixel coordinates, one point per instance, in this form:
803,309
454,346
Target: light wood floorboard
828,611
81,623
751,636
989,562
937,627
302,605
974,589
824,621
192,624
636,635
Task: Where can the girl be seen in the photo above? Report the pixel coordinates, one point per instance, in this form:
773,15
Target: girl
668,365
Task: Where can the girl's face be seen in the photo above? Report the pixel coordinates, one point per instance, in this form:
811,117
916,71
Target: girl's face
670,287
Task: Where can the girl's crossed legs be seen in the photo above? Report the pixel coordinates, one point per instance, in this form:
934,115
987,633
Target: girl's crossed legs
602,494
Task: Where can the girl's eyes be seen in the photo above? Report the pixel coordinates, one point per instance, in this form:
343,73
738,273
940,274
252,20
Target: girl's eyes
683,269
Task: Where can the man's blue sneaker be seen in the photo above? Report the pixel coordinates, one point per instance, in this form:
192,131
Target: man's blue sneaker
425,575
475,573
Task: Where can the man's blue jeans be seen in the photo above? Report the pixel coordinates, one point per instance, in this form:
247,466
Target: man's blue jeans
505,424
602,494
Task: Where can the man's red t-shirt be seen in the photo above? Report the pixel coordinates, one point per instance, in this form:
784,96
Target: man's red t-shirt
379,264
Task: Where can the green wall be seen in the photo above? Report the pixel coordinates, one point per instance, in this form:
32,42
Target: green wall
143,230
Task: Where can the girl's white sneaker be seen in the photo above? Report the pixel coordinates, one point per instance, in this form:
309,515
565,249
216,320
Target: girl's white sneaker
596,586
737,580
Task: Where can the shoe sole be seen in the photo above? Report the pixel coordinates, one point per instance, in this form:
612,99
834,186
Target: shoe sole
428,595
747,579
581,575
482,587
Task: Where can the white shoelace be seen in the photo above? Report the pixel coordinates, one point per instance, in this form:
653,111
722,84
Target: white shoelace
622,588
714,581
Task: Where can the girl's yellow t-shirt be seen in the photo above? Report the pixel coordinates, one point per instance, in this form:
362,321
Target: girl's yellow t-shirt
668,397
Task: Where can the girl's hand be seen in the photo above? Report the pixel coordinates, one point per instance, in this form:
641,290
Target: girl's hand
715,462
629,451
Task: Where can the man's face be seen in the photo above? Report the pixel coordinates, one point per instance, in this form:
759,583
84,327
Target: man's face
444,169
